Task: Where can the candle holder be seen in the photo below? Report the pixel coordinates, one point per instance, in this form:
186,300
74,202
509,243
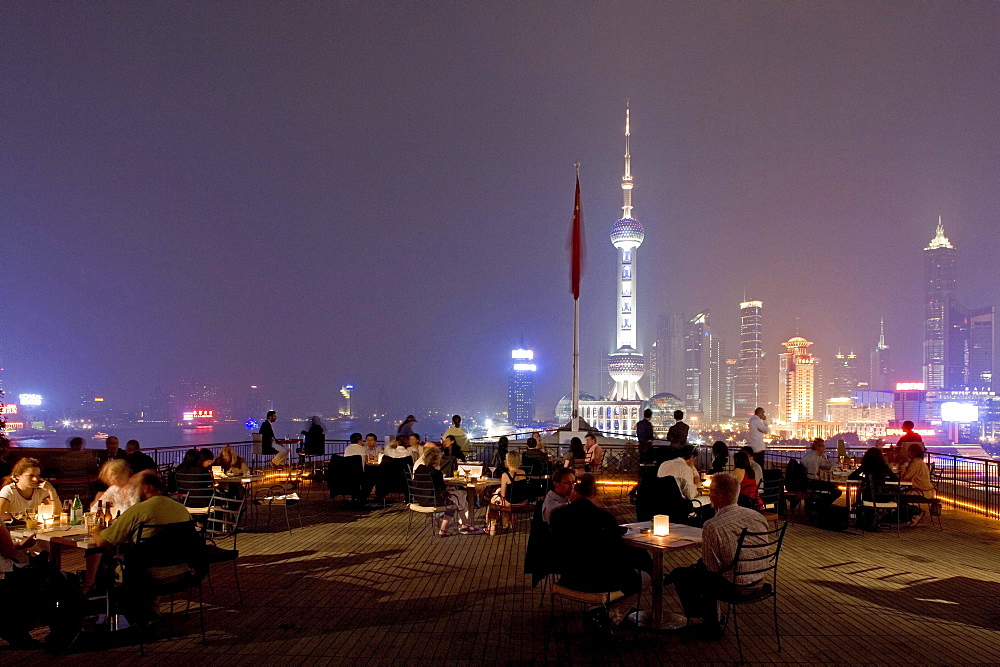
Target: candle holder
661,525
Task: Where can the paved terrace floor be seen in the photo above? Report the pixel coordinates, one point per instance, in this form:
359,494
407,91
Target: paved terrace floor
362,588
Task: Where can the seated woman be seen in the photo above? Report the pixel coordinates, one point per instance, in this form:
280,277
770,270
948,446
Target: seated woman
231,462
720,456
450,445
874,472
499,461
576,457
916,472
745,475
24,489
505,495
193,476
119,495
454,500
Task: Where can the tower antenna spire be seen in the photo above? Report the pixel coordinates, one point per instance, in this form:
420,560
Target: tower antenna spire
881,333
627,178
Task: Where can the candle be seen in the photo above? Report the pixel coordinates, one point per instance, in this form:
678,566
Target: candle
661,524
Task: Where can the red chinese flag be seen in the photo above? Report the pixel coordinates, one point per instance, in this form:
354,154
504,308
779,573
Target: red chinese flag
576,244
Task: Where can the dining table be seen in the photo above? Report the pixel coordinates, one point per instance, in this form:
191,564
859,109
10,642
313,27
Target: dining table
473,487
679,538
60,540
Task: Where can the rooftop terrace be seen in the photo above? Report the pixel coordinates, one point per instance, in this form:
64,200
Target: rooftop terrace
362,588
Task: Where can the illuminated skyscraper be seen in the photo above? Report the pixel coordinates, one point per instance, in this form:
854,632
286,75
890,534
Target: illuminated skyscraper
521,387
626,364
704,380
844,374
944,362
881,375
749,388
666,356
981,348
796,382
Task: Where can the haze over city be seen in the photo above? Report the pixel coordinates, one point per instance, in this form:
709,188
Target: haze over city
303,196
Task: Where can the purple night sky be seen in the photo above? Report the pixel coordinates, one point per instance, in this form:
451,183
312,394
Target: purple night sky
301,195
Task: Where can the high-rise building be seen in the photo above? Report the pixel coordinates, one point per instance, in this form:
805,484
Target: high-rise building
731,368
626,364
881,374
796,382
521,387
941,368
666,356
843,375
749,390
704,375
981,348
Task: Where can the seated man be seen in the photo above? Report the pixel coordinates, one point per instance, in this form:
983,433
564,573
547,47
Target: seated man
155,508
395,450
595,453
355,448
137,459
682,469
593,556
534,461
824,492
700,586
563,480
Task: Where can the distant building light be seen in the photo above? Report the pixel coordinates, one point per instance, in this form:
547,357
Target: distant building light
910,386
98,400
522,354
926,432
524,367
964,413
29,399
9,409
253,386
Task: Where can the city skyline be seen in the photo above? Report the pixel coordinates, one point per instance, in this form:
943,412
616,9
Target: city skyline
302,199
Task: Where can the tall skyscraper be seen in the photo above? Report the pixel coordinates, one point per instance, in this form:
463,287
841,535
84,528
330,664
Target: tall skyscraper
881,375
749,390
981,348
941,369
796,382
843,375
626,364
666,356
521,387
704,375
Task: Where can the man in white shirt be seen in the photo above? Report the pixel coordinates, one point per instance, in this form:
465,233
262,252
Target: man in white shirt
757,428
700,586
682,469
355,448
814,461
396,450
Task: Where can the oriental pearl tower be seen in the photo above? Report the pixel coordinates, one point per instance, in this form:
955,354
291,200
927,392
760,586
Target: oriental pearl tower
626,364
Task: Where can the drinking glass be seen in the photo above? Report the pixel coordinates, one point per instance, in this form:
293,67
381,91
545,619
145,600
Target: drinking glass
90,520
31,520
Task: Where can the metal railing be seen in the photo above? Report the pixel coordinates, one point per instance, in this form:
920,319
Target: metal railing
174,455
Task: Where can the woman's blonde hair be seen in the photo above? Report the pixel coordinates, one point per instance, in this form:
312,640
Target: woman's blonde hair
114,471
513,460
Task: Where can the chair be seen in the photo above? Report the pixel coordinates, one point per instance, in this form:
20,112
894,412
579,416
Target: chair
934,505
223,522
539,557
796,484
197,488
521,500
750,562
392,476
679,508
344,476
167,545
423,497
282,497
769,491
878,505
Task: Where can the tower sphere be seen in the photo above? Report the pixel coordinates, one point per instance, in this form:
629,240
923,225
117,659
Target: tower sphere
626,365
627,233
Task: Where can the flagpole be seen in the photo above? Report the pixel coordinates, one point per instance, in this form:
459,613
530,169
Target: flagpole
576,331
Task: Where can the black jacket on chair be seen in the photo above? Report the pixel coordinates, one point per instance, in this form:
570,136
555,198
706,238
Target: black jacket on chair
344,476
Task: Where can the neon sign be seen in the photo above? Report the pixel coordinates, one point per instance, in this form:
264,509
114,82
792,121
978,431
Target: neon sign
910,386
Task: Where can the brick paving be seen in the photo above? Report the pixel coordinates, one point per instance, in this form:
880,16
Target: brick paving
362,588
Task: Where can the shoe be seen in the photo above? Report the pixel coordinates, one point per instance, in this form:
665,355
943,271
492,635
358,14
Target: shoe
598,622
469,530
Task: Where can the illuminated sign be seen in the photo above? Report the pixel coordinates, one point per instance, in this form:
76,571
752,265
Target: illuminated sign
13,426
910,386
926,432
959,412
524,367
30,399
192,415
253,386
522,354
9,409
98,400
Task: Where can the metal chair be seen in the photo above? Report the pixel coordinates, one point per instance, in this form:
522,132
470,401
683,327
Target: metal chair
282,497
197,488
756,554
877,506
423,499
167,545
223,522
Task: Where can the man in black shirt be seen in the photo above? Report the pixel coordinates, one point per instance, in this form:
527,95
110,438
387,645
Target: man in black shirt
137,459
644,434
677,435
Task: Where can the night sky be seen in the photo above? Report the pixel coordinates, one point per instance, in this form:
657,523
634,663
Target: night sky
301,195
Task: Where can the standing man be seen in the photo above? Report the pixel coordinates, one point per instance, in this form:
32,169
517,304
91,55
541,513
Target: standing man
700,586
271,444
677,435
757,427
909,436
644,434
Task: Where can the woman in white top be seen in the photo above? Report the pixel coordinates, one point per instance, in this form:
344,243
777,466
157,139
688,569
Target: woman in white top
25,489
120,494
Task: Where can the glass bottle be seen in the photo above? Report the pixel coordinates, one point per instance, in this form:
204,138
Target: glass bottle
107,514
76,512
